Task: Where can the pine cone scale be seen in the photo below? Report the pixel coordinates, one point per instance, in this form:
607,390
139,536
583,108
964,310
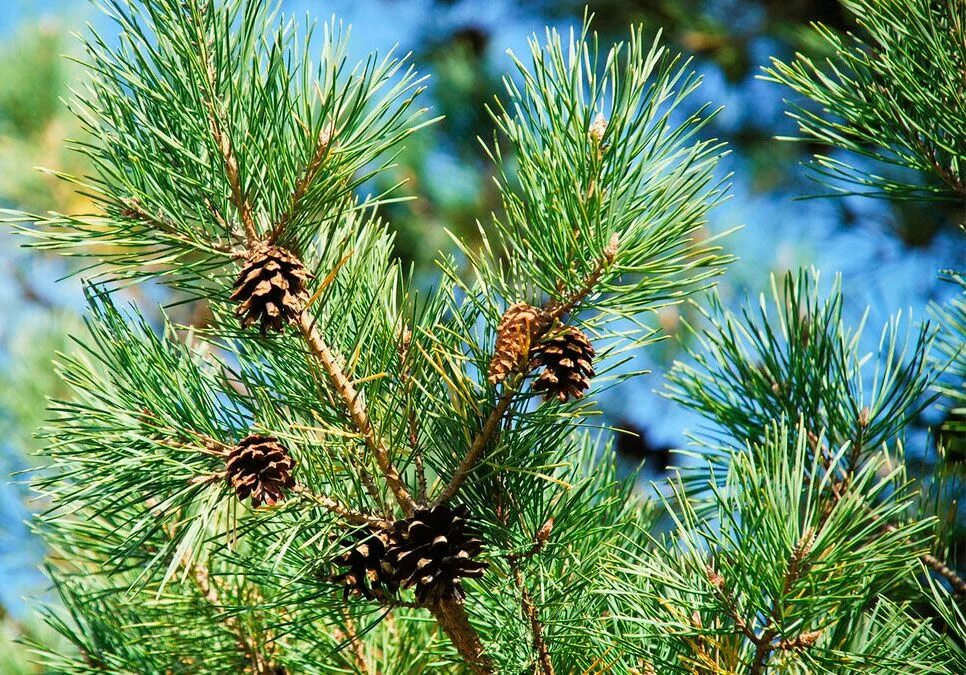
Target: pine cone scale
368,574
432,551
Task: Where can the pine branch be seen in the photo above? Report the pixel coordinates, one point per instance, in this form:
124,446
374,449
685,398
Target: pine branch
939,567
333,369
357,410
309,174
134,209
451,616
200,575
550,314
539,541
889,91
352,638
529,608
559,308
413,423
347,514
532,614
838,489
221,137
259,663
764,642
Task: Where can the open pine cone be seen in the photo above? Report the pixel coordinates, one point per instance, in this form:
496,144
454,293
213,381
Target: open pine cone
260,467
367,571
513,337
433,550
271,290
567,359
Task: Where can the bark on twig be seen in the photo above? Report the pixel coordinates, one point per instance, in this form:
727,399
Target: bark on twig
347,514
451,617
223,141
532,614
357,411
309,175
838,490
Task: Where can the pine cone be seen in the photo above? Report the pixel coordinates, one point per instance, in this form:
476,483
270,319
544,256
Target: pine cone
368,572
433,550
567,359
271,289
513,337
260,467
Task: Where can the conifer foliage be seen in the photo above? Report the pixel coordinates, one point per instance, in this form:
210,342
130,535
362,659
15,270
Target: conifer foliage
403,499
893,92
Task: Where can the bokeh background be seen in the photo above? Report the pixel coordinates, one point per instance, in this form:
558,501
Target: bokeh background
889,254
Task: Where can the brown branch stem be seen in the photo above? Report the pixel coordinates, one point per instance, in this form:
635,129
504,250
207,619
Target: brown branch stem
932,562
532,614
764,642
259,663
226,149
134,209
552,312
309,174
939,567
358,648
488,432
413,422
451,617
558,308
357,410
347,514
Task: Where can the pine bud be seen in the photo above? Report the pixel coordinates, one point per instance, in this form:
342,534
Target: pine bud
597,129
716,579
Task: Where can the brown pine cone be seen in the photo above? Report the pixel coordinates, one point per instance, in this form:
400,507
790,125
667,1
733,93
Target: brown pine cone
567,359
271,290
433,550
367,570
513,337
260,467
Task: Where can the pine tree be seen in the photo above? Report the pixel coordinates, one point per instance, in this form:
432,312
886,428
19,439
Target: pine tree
340,473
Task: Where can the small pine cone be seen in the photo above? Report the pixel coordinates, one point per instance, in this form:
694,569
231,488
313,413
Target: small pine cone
513,337
567,359
260,467
271,290
433,550
367,571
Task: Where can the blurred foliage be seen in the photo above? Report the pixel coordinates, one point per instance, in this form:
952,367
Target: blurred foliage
724,31
27,379
33,128
731,37
33,122
877,102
